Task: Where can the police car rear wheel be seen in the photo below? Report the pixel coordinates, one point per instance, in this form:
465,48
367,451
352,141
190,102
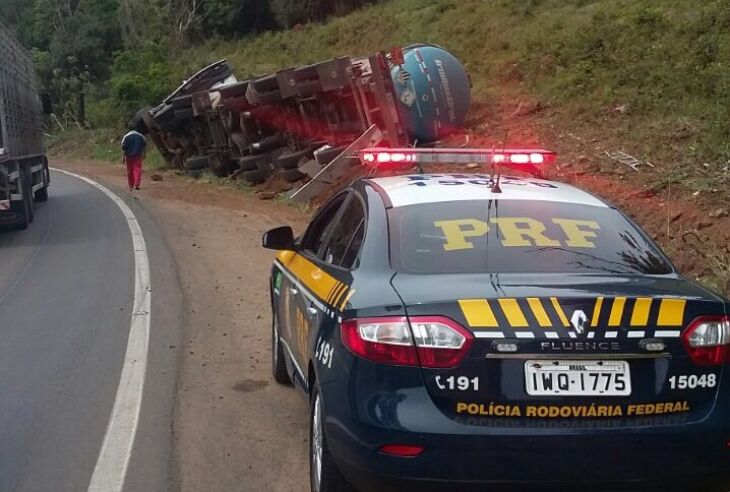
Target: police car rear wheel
323,473
278,364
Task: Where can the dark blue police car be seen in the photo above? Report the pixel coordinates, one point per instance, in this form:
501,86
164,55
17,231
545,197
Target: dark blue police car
457,332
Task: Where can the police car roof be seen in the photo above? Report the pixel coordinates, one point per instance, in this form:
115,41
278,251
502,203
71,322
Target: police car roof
432,188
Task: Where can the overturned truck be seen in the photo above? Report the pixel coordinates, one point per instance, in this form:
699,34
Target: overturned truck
306,122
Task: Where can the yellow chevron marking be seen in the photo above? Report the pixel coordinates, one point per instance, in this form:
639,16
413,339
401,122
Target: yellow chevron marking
331,293
341,294
617,310
559,310
515,316
346,300
478,313
640,314
596,312
671,312
539,312
336,294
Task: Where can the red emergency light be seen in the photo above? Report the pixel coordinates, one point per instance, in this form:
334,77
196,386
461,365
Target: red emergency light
394,159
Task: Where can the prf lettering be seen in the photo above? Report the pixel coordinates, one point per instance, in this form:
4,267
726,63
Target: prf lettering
518,231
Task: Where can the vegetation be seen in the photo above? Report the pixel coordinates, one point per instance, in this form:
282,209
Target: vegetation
652,75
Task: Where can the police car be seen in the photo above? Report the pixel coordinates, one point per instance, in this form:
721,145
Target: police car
476,330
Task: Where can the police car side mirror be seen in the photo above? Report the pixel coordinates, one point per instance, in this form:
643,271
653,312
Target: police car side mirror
279,239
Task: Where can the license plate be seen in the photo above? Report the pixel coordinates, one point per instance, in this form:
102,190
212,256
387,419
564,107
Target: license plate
577,377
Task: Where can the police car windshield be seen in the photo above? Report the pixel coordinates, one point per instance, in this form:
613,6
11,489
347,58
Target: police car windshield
518,236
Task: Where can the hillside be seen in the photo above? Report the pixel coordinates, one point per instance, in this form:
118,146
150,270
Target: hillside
647,78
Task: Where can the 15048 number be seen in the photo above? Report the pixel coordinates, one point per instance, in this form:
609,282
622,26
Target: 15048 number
693,381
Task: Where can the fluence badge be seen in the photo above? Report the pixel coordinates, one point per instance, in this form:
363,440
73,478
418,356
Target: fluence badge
579,321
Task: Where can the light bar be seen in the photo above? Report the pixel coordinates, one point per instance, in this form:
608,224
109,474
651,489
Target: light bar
405,158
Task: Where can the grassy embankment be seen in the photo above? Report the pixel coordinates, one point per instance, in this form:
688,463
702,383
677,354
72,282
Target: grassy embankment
646,77
664,65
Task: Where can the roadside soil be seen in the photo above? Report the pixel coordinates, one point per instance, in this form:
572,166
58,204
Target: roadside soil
234,427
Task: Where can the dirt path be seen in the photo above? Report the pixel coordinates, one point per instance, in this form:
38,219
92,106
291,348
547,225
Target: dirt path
235,428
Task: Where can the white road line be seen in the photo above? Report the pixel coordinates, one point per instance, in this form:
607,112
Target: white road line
116,450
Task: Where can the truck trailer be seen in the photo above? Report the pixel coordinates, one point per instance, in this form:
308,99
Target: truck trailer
24,175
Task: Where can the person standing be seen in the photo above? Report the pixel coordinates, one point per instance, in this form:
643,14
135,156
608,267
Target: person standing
134,147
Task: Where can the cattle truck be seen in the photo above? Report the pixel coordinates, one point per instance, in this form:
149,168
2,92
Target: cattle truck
24,176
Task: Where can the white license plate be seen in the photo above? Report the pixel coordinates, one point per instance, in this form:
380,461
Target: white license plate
577,377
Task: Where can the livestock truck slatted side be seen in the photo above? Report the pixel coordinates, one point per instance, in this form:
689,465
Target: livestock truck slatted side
24,175
22,126
295,122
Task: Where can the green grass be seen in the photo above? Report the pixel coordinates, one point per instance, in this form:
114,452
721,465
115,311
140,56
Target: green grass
666,61
98,144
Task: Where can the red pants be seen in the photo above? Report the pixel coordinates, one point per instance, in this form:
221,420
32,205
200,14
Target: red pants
134,171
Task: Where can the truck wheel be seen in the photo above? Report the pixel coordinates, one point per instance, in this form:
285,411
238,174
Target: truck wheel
24,209
291,160
250,162
195,163
221,166
255,176
323,473
292,175
42,194
278,364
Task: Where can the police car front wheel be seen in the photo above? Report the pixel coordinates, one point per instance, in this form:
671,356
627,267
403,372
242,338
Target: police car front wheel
278,364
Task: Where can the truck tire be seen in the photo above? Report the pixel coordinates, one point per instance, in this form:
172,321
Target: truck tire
291,160
292,175
256,176
221,166
251,162
24,209
42,194
195,163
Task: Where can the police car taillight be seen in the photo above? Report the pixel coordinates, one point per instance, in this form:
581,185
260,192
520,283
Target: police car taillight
428,341
406,158
707,340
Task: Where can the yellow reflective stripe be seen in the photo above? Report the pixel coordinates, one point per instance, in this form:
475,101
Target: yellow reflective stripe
513,313
336,294
596,312
539,311
331,293
314,278
671,312
341,294
617,310
640,314
478,313
346,300
559,310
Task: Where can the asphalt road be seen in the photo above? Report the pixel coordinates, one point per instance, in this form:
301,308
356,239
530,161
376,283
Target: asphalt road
66,292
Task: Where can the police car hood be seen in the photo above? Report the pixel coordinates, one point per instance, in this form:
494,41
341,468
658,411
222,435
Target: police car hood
559,306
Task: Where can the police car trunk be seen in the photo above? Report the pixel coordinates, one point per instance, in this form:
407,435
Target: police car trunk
542,302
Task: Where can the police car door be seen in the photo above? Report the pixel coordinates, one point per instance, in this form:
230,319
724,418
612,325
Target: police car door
309,302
